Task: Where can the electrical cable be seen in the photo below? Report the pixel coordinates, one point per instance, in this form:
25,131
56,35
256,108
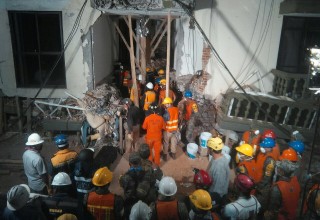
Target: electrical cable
215,53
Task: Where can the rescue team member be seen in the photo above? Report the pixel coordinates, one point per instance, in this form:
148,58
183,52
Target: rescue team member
252,137
201,206
171,117
246,162
65,158
276,149
298,146
162,93
285,192
154,124
218,168
34,165
136,184
101,203
131,90
61,201
311,208
133,123
148,97
140,211
167,206
246,206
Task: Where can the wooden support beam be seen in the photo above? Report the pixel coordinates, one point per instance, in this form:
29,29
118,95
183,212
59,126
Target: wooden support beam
29,121
158,42
1,115
158,32
133,68
19,113
143,62
168,55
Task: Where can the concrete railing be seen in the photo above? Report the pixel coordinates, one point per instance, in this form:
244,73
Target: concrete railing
240,112
291,85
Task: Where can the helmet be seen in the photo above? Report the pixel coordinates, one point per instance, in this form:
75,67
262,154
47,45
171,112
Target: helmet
244,183
153,106
139,77
289,154
298,146
232,135
167,186
268,133
215,143
86,155
34,139
144,151
126,101
140,211
161,72
201,199
67,216
61,140
134,158
267,143
188,94
202,180
163,82
245,149
148,69
167,100
17,197
313,200
157,80
149,85
61,179
102,177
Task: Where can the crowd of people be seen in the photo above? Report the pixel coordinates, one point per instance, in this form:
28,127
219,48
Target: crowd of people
73,186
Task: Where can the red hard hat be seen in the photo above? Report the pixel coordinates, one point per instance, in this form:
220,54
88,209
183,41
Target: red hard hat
244,183
268,133
202,179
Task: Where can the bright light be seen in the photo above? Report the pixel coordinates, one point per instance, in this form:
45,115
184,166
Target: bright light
314,59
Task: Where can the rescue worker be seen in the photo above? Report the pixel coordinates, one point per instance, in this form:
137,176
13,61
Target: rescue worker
140,211
218,168
156,87
34,165
19,206
276,149
61,201
246,162
231,141
64,159
101,203
188,109
148,97
167,206
154,124
162,93
201,206
133,124
136,184
252,137
246,206
312,203
171,117
298,146
139,89
201,179
83,173
285,193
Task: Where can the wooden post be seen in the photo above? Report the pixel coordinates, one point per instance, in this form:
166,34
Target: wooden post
168,55
1,115
19,113
133,68
29,116
143,59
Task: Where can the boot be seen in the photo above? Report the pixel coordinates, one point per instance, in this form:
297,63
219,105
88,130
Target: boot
173,156
164,157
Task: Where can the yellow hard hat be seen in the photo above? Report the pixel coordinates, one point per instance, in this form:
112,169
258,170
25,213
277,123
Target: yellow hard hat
245,149
148,69
201,199
167,100
163,82
161,72
102,177
215,143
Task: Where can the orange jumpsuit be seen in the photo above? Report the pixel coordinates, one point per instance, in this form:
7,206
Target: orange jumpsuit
162,95
154,124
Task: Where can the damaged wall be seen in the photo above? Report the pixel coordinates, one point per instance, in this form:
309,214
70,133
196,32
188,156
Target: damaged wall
246,34
75,61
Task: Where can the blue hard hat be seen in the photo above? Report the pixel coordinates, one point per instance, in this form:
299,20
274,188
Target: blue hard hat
267,143
61,140
298,146
188,94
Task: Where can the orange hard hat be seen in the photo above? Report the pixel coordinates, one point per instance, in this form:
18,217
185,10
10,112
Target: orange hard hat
289,154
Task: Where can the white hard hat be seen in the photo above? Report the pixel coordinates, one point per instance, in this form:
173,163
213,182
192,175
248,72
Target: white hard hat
140,211
167,186
34,139
139,77
232,135
61,179
149,85
17,197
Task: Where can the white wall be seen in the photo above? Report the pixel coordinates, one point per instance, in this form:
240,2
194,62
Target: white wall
245,34
76,68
